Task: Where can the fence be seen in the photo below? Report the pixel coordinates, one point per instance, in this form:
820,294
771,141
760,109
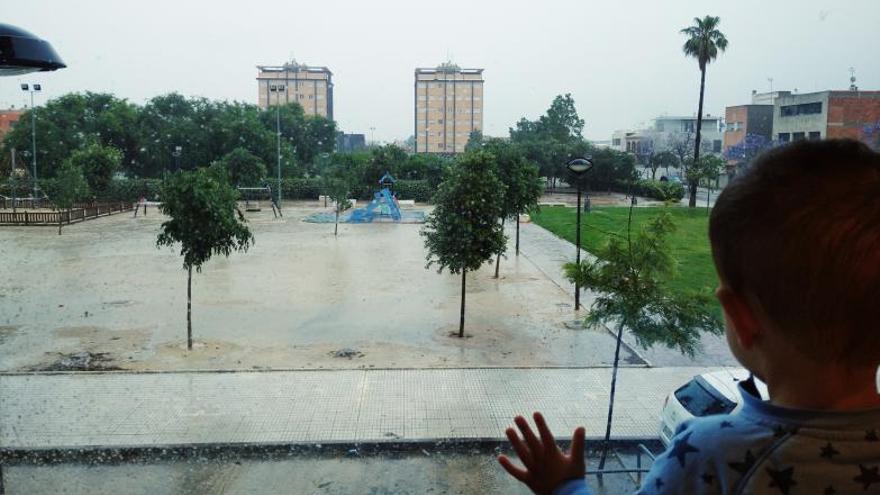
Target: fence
74,215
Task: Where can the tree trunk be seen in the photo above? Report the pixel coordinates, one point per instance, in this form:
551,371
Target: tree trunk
498,258
692,200
611,398
653,174
189,328
517,235
59,222
336,226
461,321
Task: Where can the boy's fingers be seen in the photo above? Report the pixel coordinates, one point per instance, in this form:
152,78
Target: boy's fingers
528,434
521,450
518,473
546,435
577,446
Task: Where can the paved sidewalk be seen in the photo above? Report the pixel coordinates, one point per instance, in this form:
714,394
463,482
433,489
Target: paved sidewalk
119,409
549,252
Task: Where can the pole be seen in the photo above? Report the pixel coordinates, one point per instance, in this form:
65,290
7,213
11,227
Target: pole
12,179
577,287
278,128
34,141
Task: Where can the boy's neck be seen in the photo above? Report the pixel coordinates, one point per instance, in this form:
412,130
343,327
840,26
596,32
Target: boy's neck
832,388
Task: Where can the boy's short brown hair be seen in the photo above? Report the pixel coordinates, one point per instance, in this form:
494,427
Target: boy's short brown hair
799,234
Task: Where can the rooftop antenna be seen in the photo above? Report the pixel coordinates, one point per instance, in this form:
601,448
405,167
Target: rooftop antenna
771,85
852,80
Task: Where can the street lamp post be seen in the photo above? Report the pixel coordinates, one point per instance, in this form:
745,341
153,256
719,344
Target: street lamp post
277,89
178,150
32,89
578,167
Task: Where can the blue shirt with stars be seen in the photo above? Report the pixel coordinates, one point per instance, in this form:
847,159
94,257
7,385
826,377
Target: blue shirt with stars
767,449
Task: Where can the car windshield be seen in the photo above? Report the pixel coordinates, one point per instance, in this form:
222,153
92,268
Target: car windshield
701,399
336,247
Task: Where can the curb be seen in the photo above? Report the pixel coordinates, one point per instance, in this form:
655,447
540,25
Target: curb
269,450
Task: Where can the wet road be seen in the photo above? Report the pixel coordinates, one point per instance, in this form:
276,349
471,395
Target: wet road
297,296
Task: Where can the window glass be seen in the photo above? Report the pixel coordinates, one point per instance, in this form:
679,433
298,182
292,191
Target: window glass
698,400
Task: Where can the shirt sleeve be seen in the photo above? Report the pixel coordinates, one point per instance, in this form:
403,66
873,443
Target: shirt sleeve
573,487
687,465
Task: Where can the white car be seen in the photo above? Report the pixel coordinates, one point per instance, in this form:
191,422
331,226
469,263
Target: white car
704,395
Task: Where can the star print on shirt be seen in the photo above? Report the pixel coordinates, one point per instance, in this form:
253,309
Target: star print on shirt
828,451
658,484
743,467
682,448
782,479
871,436
868,476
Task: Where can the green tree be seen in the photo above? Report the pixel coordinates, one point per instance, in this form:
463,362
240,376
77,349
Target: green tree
98,163
69,187
308,136
475,141
336,183
522,185
630,276
73,121
463,233
703,43
553,139
203,218
244,168
664,159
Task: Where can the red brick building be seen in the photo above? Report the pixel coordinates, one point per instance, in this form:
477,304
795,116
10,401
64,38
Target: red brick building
743,120
827,115
7,118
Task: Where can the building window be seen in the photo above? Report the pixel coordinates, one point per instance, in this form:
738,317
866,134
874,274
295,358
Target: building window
439,121
797,136
716,146
815,136
615,142
802,109
784,137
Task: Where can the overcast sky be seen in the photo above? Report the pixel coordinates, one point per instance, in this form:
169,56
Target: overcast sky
621,61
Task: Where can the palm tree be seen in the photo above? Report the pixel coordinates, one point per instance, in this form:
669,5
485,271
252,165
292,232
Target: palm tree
703,43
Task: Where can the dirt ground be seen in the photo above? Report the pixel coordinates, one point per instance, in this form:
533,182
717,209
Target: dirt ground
103,292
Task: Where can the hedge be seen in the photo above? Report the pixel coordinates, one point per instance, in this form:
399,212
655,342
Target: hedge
663,191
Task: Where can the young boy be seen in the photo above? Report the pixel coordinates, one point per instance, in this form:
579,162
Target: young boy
796,243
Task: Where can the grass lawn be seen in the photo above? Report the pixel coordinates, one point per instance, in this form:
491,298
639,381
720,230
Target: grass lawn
689,242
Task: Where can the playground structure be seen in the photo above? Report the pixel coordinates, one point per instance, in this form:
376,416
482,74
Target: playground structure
253,195
20,180
384,204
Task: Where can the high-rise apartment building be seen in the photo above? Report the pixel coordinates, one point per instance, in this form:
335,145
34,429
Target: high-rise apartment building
448,107
311,87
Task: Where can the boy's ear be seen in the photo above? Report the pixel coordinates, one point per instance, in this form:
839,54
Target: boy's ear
740,315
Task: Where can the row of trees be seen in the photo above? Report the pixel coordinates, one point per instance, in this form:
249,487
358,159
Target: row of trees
481,190
146,136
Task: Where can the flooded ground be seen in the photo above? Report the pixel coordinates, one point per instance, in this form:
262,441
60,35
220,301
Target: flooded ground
420,471
299,299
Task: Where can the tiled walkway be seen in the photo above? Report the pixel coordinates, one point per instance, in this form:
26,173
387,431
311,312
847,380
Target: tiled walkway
135,410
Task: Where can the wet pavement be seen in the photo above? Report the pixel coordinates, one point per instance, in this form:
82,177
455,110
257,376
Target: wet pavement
139,410
423,471
293,301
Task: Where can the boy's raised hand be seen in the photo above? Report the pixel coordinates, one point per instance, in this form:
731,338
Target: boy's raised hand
546,467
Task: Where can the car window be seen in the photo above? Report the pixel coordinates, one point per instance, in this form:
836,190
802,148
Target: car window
701,400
